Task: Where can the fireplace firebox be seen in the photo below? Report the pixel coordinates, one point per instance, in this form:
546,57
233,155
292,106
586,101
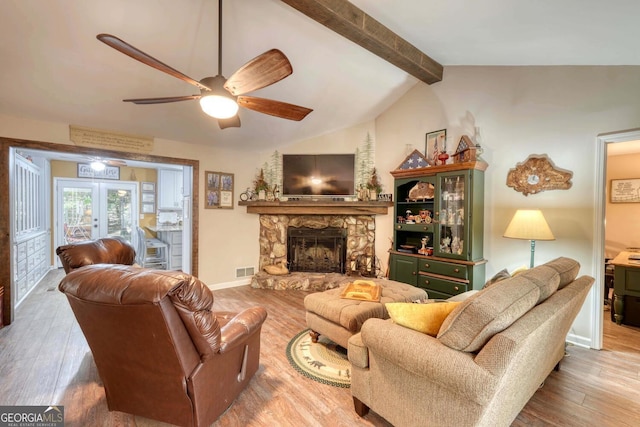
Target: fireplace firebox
317,250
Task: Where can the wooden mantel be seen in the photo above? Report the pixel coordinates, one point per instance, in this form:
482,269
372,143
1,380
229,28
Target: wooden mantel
310,207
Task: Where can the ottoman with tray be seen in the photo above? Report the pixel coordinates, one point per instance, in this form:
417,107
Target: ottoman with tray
339,318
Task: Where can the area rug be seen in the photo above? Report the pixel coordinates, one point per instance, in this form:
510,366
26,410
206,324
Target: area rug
324,361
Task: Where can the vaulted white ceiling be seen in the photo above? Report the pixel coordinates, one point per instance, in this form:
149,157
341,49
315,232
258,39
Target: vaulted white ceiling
54,69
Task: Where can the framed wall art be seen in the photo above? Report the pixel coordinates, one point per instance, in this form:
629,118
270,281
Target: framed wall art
625,190
218,190
435,143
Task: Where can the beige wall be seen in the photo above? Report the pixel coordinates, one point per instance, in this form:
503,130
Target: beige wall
623,227
520,111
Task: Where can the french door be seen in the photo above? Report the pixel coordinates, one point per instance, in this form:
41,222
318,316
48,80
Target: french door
87,210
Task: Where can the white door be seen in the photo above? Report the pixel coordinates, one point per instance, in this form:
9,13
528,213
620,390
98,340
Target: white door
86,210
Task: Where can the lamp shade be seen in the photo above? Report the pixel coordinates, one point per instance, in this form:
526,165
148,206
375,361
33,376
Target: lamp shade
529,225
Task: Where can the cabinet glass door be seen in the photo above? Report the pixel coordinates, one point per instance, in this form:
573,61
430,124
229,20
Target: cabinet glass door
452,215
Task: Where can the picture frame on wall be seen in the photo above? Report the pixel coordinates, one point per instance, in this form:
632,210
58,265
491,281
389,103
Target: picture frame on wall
218,190
435,143
148,197
148,208
625,190
148,187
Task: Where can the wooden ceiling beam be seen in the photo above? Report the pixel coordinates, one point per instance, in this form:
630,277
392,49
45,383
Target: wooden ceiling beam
354,24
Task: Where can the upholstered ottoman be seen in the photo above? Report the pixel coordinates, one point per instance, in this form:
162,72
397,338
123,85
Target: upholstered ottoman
338,318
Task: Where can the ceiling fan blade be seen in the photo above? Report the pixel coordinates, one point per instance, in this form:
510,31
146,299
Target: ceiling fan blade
139,55
164,100
232,122
262,71
274,108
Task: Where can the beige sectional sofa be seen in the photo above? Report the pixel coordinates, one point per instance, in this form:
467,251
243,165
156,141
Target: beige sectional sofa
491,353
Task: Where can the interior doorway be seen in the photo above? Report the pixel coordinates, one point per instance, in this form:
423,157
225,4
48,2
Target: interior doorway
88,210
190,167
604,143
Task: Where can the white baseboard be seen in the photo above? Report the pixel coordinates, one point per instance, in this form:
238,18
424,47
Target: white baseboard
579,340
244,281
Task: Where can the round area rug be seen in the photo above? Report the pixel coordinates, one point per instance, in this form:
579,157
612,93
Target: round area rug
324,361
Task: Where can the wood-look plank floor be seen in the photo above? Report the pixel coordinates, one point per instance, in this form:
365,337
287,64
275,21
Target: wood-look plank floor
44,359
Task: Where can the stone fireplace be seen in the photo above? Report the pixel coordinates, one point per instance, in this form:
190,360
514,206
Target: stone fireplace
347,246
351,223
316,250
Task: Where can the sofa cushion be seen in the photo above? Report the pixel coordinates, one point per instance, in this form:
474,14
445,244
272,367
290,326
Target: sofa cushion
567,268
479,317
545,278
425,318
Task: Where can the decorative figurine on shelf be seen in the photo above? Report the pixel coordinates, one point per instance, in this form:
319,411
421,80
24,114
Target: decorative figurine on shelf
424,250
445,245
374,185
421,191
443,158
260,186
456,247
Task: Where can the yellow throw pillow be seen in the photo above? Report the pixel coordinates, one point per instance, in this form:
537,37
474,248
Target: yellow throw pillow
425,318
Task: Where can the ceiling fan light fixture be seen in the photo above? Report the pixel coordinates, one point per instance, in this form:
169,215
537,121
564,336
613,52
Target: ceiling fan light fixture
97,166
219,106
217,102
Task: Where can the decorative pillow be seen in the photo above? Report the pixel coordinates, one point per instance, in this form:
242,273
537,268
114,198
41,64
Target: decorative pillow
481,316
425,318
567,268
500,275
519,270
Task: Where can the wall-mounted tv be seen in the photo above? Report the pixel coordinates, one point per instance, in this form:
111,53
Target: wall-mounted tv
316,175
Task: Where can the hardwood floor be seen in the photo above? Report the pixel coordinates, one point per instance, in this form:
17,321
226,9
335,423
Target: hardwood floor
44,360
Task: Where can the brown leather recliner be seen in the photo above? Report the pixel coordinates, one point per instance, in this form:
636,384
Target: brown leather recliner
108,250
160,350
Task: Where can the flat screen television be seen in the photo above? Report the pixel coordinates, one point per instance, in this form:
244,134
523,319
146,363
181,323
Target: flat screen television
318,175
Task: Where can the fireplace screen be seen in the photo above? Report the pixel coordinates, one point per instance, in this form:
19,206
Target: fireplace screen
316,250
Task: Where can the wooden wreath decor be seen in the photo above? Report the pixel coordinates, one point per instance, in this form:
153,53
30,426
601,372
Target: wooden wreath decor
536,174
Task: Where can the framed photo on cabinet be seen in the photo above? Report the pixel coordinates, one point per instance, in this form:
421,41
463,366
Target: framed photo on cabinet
435,143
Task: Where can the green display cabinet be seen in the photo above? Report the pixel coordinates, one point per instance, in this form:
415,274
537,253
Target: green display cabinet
438,228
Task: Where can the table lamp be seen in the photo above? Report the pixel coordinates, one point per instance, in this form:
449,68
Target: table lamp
529,225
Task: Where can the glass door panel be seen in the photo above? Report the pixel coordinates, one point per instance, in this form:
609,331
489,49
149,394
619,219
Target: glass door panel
119,216
91,210
452,227
77,207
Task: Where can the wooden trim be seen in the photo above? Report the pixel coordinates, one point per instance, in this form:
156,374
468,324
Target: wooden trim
5,216
308,207
349,21
435,258
432,170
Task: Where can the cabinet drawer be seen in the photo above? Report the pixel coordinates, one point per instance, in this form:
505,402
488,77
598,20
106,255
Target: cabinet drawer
415,227
445,268
441,285
22,251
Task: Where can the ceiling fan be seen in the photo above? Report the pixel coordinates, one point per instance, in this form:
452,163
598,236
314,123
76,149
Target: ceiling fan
220,97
